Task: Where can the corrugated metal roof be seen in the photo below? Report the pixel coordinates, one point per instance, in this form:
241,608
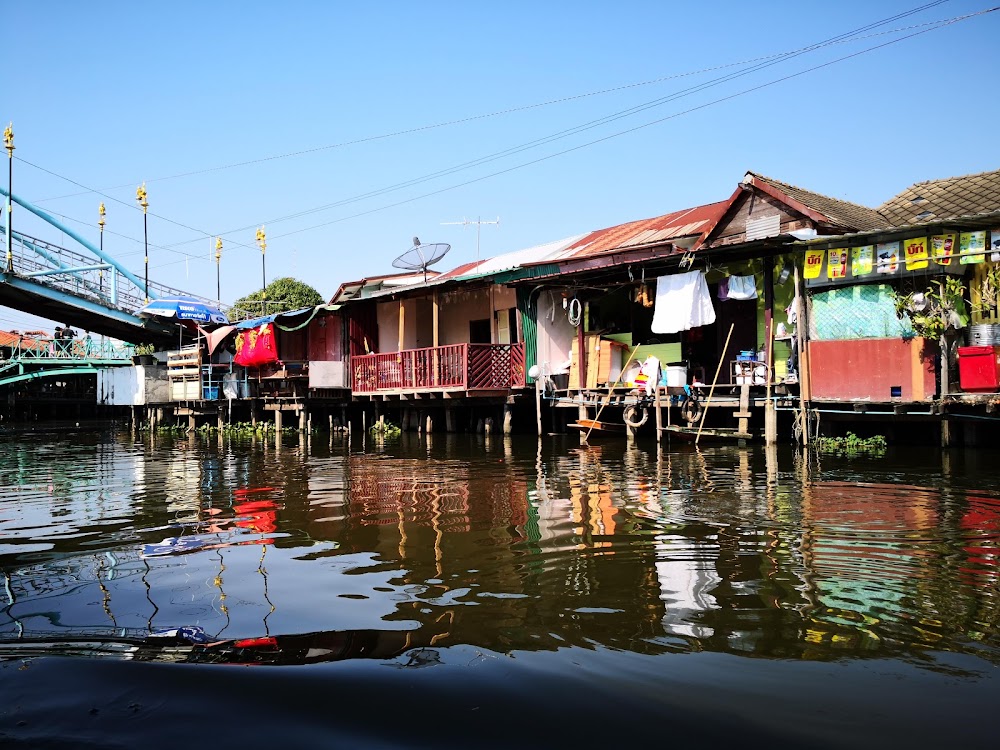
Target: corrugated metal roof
506,265
657,230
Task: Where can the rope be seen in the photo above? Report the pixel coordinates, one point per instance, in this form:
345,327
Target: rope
575,313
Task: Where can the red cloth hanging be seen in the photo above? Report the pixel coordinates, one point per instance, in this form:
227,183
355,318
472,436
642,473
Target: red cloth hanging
256,347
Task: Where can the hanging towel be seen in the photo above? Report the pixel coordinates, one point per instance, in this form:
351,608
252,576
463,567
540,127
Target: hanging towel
742,287
683,302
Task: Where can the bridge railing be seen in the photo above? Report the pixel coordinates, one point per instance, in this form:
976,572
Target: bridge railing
80,275
48,349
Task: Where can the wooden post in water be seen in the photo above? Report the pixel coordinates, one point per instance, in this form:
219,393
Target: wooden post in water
508,419
277,422
659,415
430,423
538,405
449,419
770,414
715,379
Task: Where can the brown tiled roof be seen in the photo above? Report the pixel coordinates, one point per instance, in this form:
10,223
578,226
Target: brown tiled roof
949,198
8,339
841,213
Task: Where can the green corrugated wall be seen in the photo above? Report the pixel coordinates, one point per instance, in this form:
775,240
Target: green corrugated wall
529,326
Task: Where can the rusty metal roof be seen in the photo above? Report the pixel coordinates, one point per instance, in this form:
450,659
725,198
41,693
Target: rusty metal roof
935,200
659,230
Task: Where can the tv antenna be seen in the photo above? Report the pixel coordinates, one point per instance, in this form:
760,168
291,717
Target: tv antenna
468,222
421,256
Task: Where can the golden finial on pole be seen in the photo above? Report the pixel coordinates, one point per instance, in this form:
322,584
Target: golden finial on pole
218,265
140,195
262,241
8,143
100,224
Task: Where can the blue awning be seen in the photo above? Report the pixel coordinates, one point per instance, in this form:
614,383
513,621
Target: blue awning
258,322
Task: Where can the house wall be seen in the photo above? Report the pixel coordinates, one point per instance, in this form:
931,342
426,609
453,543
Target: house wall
868,369
733,228
456,310
388,326
326,339
132,386
555,334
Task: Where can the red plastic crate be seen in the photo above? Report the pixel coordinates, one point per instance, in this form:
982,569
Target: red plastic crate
979,368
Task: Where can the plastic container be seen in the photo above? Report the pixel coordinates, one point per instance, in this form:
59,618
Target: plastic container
676,375
210,393
979,368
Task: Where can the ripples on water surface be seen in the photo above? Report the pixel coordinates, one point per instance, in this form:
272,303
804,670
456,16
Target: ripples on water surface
472,592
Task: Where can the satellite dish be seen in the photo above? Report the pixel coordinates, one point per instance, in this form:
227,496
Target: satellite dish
421,256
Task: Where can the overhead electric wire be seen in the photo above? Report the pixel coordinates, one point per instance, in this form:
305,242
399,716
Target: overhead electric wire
847,36
773,59
630,130
537,105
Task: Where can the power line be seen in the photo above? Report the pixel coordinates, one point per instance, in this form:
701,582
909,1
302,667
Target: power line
847,36
851,36
633,129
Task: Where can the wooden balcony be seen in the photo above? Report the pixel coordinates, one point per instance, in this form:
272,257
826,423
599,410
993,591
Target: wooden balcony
459,367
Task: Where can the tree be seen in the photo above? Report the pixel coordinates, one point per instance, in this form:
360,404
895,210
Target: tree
280,295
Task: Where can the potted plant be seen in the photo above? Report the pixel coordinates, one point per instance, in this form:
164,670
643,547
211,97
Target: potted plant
142,354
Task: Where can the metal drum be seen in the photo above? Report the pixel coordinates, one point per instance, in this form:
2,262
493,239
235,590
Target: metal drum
984,334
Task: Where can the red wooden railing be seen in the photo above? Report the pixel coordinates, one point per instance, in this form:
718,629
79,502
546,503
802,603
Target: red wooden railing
458,366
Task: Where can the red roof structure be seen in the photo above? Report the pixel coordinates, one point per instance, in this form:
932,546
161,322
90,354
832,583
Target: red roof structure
660,230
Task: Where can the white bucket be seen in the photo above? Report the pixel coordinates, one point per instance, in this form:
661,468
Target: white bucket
677,375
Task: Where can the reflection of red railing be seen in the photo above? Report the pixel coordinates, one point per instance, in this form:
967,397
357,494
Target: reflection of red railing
461,366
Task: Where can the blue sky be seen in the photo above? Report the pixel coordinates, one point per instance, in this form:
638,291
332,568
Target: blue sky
111,95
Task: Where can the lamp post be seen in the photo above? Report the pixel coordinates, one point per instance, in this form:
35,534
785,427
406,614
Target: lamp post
140,195
262,241
100,224
8,143
218,272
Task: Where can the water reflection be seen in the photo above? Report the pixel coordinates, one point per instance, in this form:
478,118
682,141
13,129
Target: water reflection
302,553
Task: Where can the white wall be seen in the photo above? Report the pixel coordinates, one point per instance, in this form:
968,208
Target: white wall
555,334
132,386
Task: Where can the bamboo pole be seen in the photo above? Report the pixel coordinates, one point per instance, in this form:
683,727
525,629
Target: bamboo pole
607,399
704,412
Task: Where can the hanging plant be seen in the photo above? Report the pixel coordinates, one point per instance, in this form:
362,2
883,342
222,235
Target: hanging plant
989,291
934,311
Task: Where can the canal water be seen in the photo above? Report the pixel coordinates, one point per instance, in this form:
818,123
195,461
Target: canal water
472,591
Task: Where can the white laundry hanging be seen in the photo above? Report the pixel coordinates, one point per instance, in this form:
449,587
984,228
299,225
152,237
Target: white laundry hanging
682,302
742,287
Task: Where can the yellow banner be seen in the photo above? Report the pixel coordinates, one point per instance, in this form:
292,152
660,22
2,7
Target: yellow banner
814,264
862,260
836,265
915,252
972,247
942,248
